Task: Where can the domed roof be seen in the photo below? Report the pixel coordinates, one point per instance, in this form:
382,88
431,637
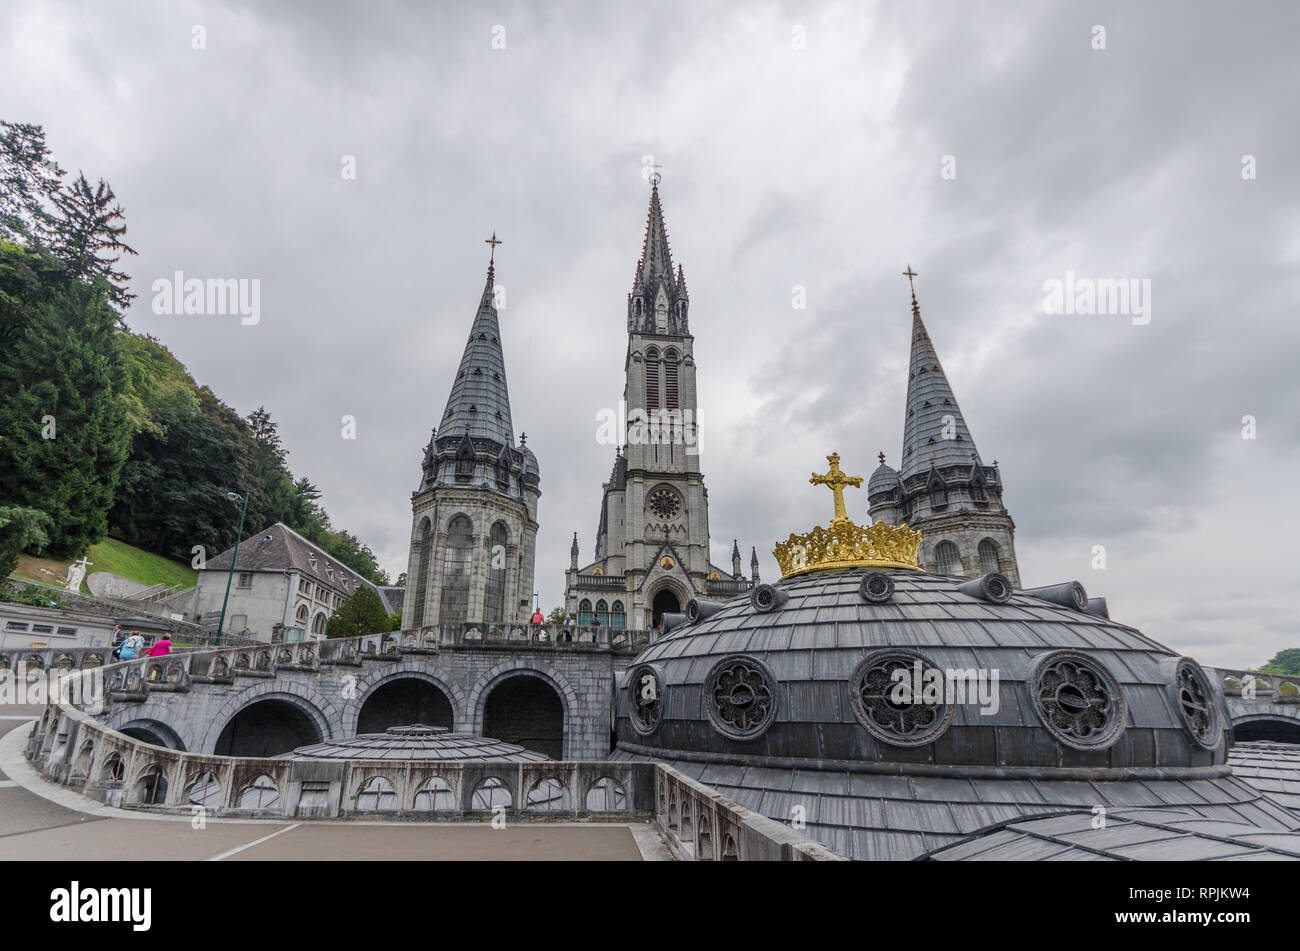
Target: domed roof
882,480
1061,686
1025,702
530,461
418,742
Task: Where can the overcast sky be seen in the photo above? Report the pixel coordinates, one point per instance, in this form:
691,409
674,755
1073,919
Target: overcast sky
806,144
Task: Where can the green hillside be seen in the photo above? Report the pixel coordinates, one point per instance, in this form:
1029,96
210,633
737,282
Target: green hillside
117,557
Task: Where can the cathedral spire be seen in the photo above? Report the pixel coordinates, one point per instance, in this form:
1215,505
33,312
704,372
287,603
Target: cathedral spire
934,431
479,403
656,256
658,303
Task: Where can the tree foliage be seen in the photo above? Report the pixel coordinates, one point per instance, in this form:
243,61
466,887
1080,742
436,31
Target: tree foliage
21,529
63,425
363,613
1284,662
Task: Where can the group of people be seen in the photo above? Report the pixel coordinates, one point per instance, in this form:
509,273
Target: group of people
130,645
569,622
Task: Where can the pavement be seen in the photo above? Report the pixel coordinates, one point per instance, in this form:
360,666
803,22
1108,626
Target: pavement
40,820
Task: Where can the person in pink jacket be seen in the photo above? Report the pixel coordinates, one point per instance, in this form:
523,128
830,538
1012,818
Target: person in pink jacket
161,647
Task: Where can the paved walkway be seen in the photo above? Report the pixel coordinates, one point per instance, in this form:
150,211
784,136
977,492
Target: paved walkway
40,820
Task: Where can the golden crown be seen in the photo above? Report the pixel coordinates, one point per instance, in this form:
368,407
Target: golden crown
845,544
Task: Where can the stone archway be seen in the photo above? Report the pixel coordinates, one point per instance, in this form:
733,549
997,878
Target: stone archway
154,732
268,726
664,602
524,709
402,701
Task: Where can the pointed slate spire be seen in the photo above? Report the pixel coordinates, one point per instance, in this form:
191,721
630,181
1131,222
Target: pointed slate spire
479,404
932,411
753,564
573,553
656,256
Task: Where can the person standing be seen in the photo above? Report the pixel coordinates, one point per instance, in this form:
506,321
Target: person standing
161,648
131,647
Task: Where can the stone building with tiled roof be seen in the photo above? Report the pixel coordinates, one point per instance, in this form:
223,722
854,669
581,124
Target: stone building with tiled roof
281,580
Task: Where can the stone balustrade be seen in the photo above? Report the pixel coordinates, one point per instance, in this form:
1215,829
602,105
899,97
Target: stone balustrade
71,748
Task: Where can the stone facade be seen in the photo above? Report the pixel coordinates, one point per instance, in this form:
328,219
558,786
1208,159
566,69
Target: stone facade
329,697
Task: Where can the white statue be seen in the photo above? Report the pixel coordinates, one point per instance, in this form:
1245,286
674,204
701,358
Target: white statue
76,572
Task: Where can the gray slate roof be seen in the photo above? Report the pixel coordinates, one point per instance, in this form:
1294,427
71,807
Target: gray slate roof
1165,835
929,400
280,548
418,742
814,642
873,817
871,799
1272,768
479,402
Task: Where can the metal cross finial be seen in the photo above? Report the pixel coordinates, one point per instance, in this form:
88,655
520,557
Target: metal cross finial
881,457
909,274
836,481
494,242
655,177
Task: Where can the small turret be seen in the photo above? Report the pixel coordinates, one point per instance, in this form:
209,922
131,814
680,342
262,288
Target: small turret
753,564
735,558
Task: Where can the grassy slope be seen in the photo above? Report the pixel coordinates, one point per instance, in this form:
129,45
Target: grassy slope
119,558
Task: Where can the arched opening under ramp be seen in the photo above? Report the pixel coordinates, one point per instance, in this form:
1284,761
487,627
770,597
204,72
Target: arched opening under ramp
527,711
1278,730
154,733
267,728
403,701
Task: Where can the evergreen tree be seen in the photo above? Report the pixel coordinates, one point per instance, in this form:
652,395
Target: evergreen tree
63,429
21,529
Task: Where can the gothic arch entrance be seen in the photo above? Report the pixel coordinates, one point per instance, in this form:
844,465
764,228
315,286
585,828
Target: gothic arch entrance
402,702
665,602
526,710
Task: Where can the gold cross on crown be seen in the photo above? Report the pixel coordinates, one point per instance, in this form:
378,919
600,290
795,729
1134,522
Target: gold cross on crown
836,481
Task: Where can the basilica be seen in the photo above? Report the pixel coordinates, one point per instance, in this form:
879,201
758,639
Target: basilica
474,514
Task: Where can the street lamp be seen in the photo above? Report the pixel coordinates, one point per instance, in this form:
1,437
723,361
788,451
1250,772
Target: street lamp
234,497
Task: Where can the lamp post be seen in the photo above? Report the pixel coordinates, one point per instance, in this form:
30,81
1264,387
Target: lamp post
234,497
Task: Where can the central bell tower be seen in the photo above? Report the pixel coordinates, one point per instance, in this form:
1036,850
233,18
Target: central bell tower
652,544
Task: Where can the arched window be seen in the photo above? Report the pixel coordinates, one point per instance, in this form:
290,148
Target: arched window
302,614
318,623
989,556
455,576
670,380
652,380
494,593
584,613
617,616
938,495
602,613
421,581
947,560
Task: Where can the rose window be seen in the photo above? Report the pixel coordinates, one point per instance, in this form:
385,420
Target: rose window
664,504
646,705
740,696
894,703
1196,703
1078,700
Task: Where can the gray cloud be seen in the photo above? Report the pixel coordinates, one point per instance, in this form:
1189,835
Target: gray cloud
783,167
